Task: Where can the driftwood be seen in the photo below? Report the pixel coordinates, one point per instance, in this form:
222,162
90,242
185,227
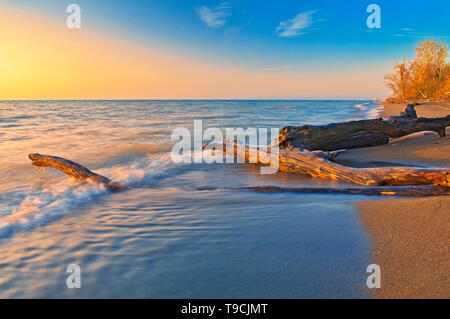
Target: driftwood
431,181
379,191
409,112
354,134
318,164
73,169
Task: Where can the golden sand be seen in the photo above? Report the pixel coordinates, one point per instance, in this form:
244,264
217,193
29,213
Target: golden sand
410,237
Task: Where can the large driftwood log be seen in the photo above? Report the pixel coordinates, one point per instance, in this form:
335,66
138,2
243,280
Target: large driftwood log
354,134
73,169
317,164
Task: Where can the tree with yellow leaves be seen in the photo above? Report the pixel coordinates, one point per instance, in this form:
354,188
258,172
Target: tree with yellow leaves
425,78
400,81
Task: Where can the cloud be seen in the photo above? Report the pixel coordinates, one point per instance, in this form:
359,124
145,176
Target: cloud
411,33
296,26
275,68
214,17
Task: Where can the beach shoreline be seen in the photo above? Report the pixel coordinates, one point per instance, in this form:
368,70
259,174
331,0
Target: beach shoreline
431,109
410,237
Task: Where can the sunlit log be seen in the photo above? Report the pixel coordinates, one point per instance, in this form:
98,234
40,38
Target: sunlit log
318,164
73,169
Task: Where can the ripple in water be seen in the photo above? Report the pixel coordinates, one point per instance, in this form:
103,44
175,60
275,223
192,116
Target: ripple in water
177,232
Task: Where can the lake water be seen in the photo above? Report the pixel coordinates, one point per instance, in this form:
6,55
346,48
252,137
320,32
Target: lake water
178,232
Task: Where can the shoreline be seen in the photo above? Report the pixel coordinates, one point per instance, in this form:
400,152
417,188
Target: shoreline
410,236
437,109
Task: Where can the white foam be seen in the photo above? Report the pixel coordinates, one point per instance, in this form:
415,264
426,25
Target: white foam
58,199
376,113
361,106
373,109
46,205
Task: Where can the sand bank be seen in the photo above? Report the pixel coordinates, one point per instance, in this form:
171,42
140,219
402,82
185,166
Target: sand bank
410,237
421,149
423,110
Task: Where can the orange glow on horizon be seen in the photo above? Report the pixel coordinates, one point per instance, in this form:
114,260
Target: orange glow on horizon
42,59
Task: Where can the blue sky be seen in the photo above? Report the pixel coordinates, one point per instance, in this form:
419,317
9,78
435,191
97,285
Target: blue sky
283,36
246,30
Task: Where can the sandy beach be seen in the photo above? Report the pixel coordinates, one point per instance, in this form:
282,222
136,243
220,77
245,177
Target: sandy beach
410,237
423,110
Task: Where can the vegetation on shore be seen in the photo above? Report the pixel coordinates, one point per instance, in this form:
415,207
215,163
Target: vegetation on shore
426,78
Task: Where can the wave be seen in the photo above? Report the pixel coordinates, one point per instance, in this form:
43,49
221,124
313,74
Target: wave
47,205
58,199
153,165
376,112
140,149
361,106
373,109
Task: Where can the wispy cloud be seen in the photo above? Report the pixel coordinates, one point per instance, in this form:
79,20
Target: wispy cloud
214,17
296,26
275,68
411,33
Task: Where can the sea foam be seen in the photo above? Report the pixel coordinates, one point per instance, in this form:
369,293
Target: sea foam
55,200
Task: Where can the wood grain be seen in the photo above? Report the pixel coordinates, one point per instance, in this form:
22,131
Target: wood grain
318,164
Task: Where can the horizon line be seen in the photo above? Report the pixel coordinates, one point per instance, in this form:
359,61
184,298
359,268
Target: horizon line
255,99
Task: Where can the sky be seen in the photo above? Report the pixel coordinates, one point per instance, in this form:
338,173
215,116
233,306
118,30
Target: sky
205,49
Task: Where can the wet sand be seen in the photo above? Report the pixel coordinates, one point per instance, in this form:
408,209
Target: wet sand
410,237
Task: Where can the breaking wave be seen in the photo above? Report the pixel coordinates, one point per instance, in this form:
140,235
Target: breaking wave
57,199
372,109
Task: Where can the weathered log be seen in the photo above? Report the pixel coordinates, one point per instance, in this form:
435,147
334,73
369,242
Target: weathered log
409,112
354,134
73,169
317,164
412,191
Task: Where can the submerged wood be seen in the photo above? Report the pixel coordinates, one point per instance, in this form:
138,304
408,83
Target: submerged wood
73,169
318,164
354,134
380,191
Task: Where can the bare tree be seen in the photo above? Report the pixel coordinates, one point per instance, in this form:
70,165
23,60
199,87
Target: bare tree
400,80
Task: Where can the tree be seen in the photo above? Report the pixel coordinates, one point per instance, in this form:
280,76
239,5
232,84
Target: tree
445,91
400,80
427,77
428,67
